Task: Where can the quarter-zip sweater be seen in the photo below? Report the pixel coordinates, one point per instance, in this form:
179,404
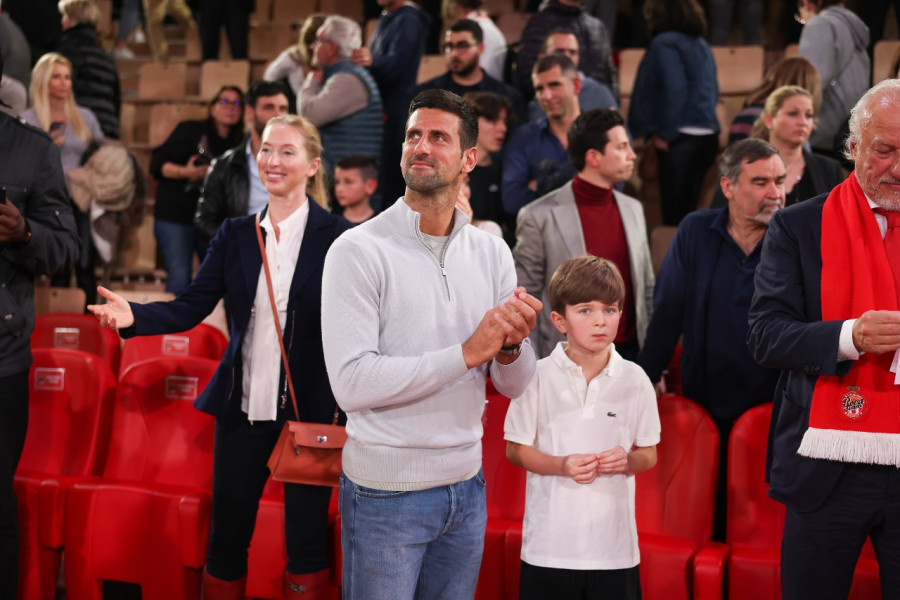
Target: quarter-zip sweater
394,317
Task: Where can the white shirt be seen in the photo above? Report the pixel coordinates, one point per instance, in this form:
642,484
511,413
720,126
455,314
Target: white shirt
570,525
493,58
261,353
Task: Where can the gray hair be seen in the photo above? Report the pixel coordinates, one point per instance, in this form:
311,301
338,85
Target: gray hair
861,114
344,33
748,150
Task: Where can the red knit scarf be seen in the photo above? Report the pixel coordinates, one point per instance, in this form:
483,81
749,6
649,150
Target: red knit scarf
854,418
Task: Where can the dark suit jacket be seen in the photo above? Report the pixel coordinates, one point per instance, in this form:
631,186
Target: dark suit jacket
787,332
231,269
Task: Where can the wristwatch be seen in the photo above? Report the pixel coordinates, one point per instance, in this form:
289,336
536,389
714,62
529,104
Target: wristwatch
511,350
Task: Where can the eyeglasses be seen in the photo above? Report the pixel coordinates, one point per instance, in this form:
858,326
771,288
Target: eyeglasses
565,51
462,46
228,102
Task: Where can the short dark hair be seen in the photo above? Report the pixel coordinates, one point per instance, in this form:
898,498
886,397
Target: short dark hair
559,31
468,25
469,4
686,16
489,105
748,150
585,278
548,61
449,102
590,131
366,165
265,88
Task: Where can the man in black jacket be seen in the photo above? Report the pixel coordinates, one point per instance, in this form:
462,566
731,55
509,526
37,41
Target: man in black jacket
37,236
95,80
233,187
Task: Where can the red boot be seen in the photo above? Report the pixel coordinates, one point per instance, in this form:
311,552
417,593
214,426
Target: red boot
309,586
219,589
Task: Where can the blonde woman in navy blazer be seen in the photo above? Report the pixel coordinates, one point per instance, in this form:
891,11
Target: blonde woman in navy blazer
232,270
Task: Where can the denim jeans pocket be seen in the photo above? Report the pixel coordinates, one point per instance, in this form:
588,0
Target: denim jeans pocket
479,477
374,494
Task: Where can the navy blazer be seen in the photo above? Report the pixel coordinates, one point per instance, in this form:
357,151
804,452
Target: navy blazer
787,332
231,269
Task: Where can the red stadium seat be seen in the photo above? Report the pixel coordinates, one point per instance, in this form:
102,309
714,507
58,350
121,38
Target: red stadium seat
674,500
146,521
70,406
674,504
204,341
755,523
76,331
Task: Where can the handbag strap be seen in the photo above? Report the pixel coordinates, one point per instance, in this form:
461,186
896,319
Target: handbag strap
284,358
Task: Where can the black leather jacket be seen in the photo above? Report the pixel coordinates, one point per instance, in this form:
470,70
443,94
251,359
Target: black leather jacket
32,175
225,193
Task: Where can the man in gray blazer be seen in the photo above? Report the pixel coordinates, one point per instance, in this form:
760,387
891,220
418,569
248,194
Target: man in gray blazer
588,215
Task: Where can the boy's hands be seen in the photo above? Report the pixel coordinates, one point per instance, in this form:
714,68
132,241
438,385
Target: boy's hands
581,468
612,461
585,468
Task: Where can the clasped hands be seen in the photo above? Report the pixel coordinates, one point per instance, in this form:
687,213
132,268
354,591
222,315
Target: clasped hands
502,326
585,468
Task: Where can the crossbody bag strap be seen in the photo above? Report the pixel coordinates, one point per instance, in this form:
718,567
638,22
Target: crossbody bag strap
284,358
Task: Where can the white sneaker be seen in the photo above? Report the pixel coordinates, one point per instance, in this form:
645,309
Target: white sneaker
124,53
139,36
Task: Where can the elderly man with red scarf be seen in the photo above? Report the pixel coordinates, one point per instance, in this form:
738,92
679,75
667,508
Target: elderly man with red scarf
827,312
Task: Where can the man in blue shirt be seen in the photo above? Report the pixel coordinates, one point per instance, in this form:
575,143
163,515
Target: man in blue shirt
704,287
536,160
593,93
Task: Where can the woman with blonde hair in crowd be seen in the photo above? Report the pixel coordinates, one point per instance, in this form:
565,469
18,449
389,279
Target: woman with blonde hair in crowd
295,62
53,109
787,120
245,393
73,128
793,70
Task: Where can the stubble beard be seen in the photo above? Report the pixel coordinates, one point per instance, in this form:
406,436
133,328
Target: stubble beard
889,202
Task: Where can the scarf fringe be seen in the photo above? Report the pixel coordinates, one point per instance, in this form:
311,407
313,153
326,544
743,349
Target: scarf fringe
851,446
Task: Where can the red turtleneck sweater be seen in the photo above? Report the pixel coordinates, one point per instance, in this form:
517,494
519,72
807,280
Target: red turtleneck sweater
604,236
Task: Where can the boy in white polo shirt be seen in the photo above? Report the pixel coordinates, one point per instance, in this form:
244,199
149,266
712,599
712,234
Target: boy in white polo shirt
584,426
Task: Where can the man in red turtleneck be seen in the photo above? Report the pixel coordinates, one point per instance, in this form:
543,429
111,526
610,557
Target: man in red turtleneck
588,215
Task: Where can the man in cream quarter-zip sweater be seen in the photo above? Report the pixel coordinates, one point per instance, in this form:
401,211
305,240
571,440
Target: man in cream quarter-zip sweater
417,310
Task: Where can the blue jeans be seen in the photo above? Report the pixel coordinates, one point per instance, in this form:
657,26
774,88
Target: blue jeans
401,545
132,15
178,243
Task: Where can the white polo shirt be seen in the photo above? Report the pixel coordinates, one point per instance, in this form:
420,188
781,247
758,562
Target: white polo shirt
570,525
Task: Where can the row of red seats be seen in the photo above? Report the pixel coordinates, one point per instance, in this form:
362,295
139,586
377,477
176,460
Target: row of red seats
75,331
674,511
119,475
